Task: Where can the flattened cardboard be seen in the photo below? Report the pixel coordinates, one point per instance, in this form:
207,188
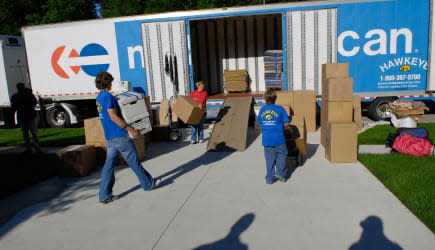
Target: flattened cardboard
338,90
341,142
231,128
288,110
305,105
75,161
187,110
284,98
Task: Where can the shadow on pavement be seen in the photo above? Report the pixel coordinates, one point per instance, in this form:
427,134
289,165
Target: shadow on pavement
373,236
232,240
205,159
56,196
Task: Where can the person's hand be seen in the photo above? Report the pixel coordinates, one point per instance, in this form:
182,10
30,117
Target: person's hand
200,105
133,131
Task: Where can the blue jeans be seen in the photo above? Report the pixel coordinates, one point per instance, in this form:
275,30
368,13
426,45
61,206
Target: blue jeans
198,130
275,162
126,147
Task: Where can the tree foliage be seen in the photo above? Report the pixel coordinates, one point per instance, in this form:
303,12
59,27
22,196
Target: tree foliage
15,14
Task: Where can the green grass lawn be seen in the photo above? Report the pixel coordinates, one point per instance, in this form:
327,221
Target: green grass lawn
378,134
50,137
410,178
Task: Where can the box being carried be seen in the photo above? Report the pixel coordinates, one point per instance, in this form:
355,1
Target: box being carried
134,110
188,110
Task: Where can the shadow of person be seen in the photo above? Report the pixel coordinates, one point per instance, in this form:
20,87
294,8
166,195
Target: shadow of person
205,159
373,236
232,240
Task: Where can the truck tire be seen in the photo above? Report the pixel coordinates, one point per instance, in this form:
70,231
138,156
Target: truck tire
379,109
57,117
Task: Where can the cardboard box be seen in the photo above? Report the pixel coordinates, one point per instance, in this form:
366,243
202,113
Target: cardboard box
75,161
187,110
301,142
341,142
337,111
94,132
338,90
334,70
284,98
305,105
357,111
160,133
164,112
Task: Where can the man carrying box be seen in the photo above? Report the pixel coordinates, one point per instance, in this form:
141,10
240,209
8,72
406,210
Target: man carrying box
118,141
200,96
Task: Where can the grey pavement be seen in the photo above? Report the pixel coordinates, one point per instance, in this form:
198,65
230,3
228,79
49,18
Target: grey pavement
221,201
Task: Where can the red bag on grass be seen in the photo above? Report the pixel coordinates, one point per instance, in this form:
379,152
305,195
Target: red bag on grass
407,144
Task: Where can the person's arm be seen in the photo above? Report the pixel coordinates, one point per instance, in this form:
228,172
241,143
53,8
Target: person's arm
286,119
121,123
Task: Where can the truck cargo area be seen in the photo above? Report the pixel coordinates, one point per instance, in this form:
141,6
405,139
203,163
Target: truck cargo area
233,43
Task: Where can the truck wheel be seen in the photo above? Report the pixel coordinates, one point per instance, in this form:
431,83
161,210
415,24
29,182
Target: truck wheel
379,109
57,118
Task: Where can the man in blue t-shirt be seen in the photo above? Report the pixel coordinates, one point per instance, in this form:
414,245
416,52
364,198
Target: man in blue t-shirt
117,140
273,119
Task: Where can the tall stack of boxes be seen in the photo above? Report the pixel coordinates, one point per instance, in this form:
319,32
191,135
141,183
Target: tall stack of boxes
338,129
273,65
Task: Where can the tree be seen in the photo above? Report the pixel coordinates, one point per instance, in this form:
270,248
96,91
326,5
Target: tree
114,8
17,13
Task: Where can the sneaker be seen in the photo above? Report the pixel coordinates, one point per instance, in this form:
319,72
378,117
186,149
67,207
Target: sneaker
281,179
201,141
157,182
193,142
108,200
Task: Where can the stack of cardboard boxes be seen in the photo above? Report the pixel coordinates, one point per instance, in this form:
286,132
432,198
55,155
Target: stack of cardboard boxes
236,80
338,129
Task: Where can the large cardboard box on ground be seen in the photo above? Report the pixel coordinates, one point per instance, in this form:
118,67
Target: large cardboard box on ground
187,110
301,142
338,90
305,105
164,112
75,161
334,70
230,131
341,142
337,111
160,133
357,111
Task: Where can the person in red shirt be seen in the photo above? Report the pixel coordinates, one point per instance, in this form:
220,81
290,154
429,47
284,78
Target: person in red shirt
200,96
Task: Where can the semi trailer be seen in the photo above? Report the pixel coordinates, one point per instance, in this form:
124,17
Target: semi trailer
387,43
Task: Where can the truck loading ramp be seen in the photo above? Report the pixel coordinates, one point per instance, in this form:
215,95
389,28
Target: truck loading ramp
230,131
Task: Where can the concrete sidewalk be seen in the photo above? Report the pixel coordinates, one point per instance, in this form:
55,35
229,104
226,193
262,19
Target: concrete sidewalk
220,201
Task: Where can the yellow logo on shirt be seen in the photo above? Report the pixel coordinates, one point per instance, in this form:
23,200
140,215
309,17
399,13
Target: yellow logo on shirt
268,114
99,107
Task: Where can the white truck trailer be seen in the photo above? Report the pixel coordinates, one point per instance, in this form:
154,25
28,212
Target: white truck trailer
13,69
386,43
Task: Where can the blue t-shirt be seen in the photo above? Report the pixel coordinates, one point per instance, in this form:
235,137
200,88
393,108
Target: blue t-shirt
106,101
272,118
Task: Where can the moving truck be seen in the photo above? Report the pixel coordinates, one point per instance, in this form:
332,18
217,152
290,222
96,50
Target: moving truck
386,43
